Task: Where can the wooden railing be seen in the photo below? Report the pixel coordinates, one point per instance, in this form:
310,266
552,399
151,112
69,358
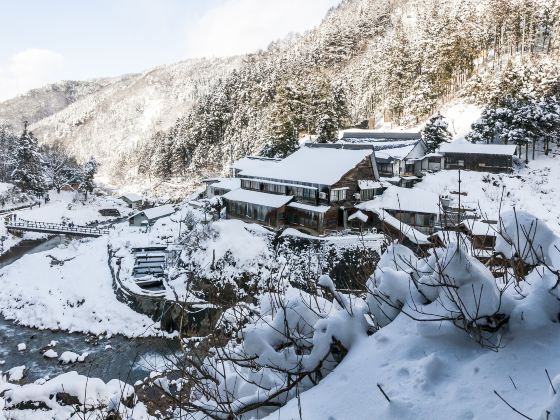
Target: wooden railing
20,224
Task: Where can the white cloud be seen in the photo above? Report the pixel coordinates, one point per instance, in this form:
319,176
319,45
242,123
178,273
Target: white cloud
28,69
241,26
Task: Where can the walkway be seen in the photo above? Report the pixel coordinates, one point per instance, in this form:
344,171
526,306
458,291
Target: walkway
54,228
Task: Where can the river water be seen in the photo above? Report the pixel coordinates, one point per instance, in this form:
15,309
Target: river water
116,357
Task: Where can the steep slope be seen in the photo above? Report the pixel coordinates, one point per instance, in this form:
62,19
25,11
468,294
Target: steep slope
395,61
43,102
114,119
369,60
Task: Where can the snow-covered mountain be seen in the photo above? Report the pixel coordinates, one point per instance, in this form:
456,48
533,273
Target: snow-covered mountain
48,100
108,117
368,61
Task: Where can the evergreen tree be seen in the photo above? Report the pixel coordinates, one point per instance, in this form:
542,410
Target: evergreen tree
327,128
435,133
28,171
89,170
8,141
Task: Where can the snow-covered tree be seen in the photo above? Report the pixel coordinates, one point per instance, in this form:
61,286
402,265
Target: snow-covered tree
28,171
435,133
59,166
89,170
7,143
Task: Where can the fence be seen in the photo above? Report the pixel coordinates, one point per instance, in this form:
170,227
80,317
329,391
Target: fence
21,224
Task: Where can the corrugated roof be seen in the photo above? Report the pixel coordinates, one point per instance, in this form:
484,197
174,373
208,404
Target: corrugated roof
478,148
156,212
313,165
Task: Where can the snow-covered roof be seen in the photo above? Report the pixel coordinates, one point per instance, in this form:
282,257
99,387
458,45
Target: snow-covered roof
313,165
254,163
478,148
479,228
369,184
228,184
360,216
131,197
414,200
258,198
358,133
308,207
412,234
156,212
394,153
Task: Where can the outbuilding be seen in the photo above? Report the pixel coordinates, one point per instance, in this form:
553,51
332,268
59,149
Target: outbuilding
134,201
150,216
496,158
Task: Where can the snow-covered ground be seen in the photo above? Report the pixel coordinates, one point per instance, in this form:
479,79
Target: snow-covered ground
533,188
66,206
434,377
37,291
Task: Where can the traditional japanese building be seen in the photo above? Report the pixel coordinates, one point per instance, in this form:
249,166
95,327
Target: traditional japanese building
312,189
496,158
396,153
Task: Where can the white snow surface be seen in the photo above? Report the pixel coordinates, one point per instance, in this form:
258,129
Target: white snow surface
406,199
76,296
313,165
259,198
309,207
479,149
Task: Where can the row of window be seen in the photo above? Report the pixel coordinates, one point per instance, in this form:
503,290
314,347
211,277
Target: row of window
252,211
336,194
414,219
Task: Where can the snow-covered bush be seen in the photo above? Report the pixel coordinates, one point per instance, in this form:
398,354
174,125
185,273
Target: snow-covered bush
65,395
389,285
449,286
297,339
524,236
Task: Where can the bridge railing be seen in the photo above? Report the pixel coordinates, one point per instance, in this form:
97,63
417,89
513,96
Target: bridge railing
57,227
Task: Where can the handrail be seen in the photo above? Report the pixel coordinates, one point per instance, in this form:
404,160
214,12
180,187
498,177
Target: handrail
27,224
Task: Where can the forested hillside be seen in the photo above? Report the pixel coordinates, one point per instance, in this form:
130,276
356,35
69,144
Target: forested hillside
106,118
396,61
369,58
46,101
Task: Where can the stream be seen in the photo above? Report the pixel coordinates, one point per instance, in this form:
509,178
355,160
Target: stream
115,357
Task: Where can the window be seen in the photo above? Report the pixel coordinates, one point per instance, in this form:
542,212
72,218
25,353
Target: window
386,168
460,163
275,188
366,195
338,194
422,220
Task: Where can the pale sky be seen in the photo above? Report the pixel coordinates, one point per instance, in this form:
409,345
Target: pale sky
43,41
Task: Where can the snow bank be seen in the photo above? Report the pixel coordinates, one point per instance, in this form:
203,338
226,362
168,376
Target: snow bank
76,296
528,238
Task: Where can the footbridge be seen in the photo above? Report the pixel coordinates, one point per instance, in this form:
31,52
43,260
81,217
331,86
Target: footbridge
54,228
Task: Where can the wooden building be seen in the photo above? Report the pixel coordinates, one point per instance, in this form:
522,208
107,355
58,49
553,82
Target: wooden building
150,216
414,208
134,201
496,158
313,189
483,234
221,186
396,153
